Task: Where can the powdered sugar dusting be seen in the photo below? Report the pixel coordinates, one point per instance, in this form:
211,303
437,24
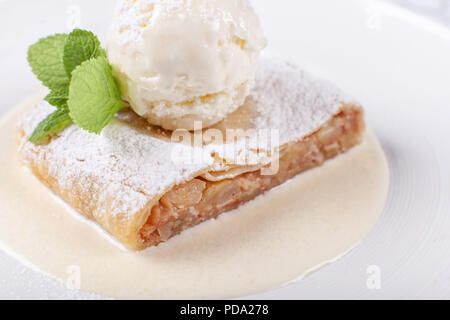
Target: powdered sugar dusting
292,101
132,167
122,164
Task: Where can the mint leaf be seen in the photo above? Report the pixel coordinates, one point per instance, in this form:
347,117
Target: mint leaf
94,96
74,67
54,123
46,60
58,98
80,46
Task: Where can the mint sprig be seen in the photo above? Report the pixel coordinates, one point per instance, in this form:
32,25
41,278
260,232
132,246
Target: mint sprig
58,98
94,95
46,60
82,86
54,123
80,46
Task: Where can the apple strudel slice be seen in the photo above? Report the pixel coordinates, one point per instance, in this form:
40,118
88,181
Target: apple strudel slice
145,185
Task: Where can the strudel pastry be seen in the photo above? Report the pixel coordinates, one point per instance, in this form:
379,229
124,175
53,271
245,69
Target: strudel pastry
129,180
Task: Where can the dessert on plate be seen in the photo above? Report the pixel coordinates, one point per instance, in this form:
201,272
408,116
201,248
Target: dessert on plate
140,139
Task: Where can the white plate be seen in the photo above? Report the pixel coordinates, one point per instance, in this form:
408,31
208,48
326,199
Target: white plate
396,63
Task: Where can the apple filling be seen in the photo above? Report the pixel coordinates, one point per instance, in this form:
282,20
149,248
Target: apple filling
199,200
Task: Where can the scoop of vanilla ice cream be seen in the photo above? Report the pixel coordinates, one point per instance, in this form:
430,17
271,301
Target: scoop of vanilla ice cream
180,61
